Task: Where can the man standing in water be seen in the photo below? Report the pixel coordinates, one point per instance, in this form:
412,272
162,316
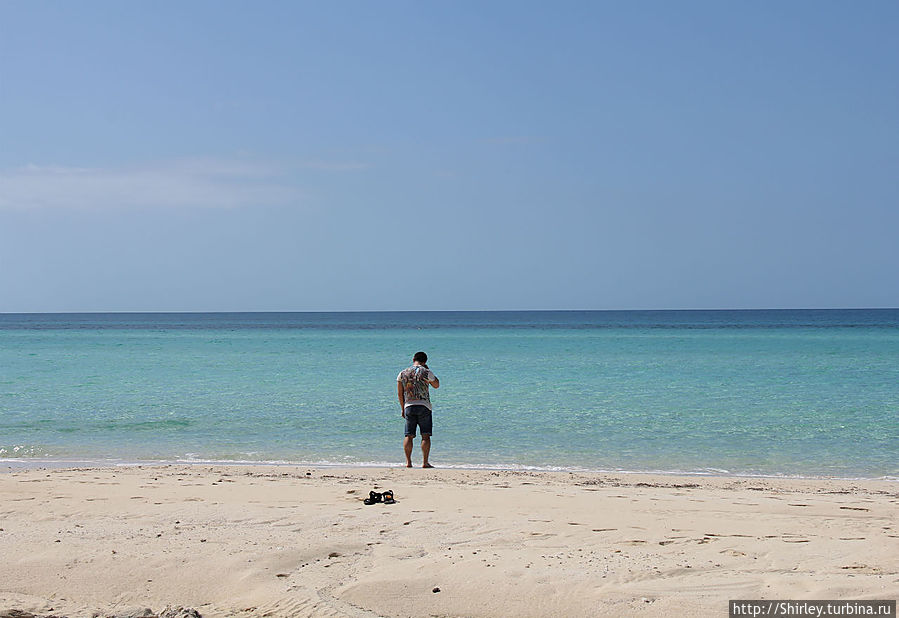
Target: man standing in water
415,401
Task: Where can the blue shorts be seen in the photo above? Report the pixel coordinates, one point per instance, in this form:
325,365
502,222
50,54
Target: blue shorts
418,415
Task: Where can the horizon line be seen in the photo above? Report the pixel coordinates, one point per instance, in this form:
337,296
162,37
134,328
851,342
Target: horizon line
267,311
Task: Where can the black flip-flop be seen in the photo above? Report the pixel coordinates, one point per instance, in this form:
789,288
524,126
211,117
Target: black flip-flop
388,497
373,498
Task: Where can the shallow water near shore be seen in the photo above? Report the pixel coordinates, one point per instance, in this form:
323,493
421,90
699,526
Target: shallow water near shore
723,392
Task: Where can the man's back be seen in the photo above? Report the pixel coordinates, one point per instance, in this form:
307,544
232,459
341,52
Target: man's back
415,380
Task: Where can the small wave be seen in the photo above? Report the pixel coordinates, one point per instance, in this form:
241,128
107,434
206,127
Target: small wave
19,451
194,459
160,424
121,426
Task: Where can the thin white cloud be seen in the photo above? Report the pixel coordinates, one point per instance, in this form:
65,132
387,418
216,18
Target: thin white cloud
519,140
334,166
187,183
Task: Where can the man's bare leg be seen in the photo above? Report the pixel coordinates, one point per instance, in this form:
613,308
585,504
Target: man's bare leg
407,447
425,450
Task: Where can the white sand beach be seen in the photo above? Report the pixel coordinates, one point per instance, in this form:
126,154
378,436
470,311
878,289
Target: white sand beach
294,541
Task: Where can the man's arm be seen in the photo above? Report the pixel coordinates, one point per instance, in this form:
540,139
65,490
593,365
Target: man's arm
401,395
435,382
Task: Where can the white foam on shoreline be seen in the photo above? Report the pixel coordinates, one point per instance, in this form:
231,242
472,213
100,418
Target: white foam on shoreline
36,463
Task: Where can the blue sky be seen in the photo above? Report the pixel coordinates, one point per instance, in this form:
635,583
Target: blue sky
202,156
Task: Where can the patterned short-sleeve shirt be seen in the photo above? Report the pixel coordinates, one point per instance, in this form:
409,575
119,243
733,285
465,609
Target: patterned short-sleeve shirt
415,386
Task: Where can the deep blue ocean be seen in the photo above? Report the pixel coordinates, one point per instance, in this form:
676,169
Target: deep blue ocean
780,392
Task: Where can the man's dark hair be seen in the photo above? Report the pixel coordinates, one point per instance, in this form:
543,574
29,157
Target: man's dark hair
420,357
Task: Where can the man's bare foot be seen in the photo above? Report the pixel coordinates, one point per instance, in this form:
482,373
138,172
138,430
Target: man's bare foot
427,466
408,465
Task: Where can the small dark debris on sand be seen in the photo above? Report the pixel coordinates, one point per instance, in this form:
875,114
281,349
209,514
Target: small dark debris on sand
168,612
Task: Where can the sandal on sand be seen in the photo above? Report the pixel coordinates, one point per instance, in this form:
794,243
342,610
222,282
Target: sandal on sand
388,497
373,498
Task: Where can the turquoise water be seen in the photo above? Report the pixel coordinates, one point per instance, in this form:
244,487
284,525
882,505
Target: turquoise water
744,392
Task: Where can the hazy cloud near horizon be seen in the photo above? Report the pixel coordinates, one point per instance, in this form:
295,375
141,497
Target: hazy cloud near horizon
182,183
